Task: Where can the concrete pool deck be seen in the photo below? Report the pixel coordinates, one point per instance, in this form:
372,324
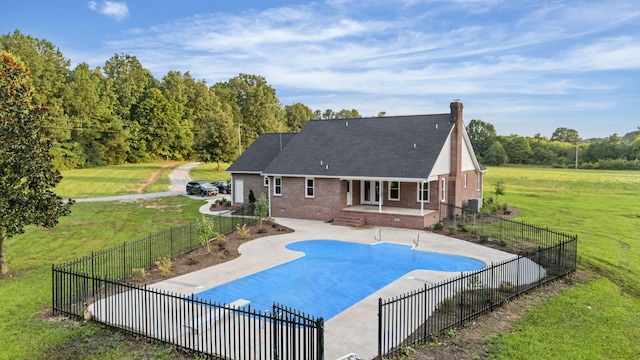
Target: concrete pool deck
355,329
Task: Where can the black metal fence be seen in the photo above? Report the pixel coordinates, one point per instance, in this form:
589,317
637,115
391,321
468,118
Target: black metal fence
90,288
419,316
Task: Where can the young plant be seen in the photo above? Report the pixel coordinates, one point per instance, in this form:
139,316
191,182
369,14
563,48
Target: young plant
242,231
138,274
205,232
262,208
164,266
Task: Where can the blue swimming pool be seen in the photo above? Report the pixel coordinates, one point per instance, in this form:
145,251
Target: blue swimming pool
333,275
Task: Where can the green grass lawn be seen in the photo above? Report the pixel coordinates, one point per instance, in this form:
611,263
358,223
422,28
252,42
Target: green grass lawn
209,172
599,319
26,295
114,180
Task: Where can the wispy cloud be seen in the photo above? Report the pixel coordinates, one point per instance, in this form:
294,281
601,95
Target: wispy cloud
420,49
117,10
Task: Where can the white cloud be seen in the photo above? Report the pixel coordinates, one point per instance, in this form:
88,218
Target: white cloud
417,56
117,10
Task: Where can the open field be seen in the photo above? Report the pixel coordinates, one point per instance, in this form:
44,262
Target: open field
112,180
599,319
209,172
595,320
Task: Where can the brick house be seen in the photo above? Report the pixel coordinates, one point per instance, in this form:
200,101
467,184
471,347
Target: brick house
388,171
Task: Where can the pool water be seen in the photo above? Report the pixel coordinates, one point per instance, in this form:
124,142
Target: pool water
333,275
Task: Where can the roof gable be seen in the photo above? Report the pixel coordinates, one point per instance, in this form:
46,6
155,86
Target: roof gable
383,147
261,153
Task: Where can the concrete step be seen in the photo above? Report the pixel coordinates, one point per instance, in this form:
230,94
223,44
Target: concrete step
352,220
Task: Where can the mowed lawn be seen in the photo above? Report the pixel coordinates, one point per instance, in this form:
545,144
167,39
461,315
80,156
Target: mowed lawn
116,180
601,318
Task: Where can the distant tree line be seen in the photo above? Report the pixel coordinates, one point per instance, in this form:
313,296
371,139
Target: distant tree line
119,113
561,150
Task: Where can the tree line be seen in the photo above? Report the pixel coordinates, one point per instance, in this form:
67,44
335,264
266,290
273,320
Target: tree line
565,149
119,113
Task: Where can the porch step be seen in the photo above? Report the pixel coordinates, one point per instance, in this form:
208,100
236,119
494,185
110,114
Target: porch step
345,219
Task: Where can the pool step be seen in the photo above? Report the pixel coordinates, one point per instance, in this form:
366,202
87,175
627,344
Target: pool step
346,219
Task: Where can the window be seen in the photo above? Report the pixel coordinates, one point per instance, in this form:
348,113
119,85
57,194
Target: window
423,196
277,186
444,190
465,181
308,187
266,181
394,190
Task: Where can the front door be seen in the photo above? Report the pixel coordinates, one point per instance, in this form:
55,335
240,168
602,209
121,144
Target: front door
238,191
370,192
349,192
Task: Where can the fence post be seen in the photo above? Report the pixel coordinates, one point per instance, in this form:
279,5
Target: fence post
320,341
379,328
124,259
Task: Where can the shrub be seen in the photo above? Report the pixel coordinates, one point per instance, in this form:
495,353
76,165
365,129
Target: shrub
221,241
138,274
452,230
242,231
462,227
437,226
164,266
252,197
227,202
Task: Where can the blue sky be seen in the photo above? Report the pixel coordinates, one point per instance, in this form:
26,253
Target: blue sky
527,67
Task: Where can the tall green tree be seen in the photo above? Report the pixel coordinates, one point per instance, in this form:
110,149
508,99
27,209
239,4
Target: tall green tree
27,176
160,133
128,79
567,135
496,155
482,135
48,70
258,106
517,148
297,116
217,140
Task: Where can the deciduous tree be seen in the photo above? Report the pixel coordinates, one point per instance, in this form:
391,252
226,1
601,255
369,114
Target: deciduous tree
27,176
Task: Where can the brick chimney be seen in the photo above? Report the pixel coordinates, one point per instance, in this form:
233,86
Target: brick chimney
456,155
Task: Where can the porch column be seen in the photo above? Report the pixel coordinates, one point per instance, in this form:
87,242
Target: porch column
380,195
269,192
421,198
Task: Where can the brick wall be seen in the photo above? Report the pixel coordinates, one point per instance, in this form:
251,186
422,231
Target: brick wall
326,203
253,182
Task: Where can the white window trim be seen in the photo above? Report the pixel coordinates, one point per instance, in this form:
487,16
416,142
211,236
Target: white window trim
465,181
277,187
479,181
265,181
306,188
443,196
389,191
425,187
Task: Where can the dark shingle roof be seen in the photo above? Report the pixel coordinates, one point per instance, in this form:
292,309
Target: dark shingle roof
261,153
365,147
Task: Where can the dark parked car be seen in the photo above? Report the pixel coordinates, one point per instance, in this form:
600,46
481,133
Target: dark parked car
202,188
223,186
